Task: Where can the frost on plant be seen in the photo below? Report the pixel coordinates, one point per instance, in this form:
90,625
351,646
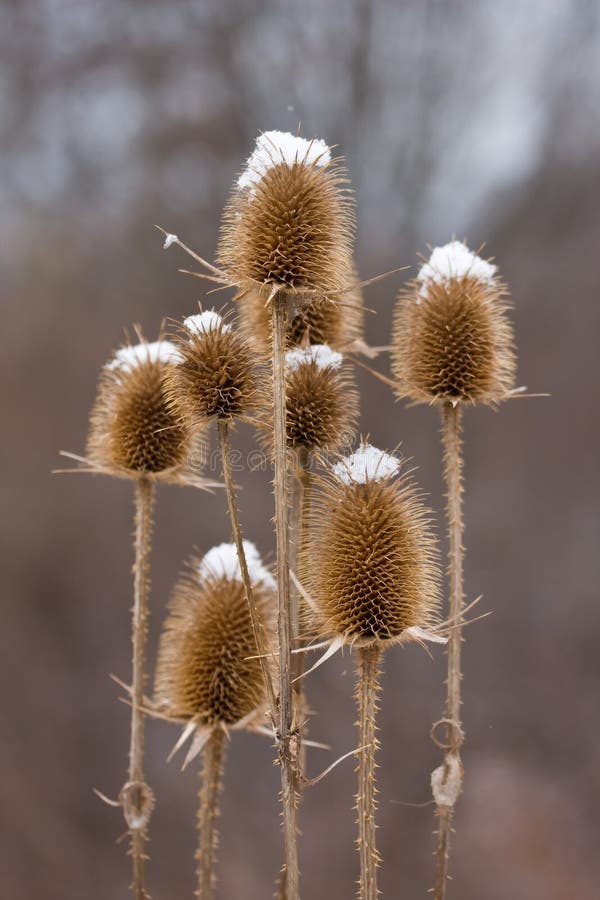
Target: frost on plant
321,354
222,562
366,464
275,147
203,322
128,357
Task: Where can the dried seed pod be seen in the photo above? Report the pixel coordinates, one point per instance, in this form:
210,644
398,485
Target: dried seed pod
337,321
289,223
204,672
452,338
133,431
322,401
215,374
371,565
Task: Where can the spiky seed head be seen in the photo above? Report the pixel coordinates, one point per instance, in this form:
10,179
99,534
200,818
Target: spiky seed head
289,222
337,320
452,338
203,669
215,375
133,431
322,401
371,565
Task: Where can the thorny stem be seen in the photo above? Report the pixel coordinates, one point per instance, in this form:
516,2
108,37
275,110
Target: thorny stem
446,781
136,797
286,739
211,782
223,429
367,689
300,510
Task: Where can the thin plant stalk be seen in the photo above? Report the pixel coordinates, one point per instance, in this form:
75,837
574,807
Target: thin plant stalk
225,445
286,738
300,510
447,789
211,783
136,797
367,690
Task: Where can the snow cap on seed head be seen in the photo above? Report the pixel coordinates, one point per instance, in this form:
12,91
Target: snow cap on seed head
273,147
366,464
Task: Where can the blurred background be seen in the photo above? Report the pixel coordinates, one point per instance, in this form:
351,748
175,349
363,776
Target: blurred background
470,117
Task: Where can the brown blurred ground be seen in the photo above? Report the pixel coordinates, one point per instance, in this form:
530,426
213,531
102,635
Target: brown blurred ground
476,118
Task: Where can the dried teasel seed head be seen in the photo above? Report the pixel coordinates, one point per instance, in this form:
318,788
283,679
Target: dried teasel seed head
203,670
452,339
215,375
322,401
337,320
371,566
289,223
133,432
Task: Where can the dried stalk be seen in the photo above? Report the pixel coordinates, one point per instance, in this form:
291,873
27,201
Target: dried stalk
300,510
286,738
367,688
446,780
136,796
211,783
261,649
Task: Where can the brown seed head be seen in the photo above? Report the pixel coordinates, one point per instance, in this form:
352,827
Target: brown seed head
452,339
132,429
215,375
289,222
371,562
337,320
203,670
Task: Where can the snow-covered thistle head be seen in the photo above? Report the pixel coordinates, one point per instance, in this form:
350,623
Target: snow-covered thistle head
133,432
214,377
452,339
371,566
289,223
321,401
204,673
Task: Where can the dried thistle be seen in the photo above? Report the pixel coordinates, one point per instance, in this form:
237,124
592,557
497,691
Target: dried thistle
452,339
371,580
208,677
289,223
133,431
214,376
321,400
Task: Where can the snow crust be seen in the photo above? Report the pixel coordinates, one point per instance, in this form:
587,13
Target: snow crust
455,260
275,147
204,322
128,357
222,562
321,354
169,240
366,464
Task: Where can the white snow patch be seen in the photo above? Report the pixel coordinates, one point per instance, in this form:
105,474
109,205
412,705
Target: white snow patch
275,147
128,357
222,562
204,322
321,354
366,464
455,260
169,240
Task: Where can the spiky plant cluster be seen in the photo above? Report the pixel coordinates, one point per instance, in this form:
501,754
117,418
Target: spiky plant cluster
214,376
452,338
289,223
337,321
133,431
204,672
371,566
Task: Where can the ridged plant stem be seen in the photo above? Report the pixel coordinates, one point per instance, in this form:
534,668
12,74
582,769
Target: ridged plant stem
286,738
446,781
367,690
261,649
136,797
211,783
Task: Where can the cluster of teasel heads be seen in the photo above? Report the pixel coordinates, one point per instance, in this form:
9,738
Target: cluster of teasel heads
356,558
